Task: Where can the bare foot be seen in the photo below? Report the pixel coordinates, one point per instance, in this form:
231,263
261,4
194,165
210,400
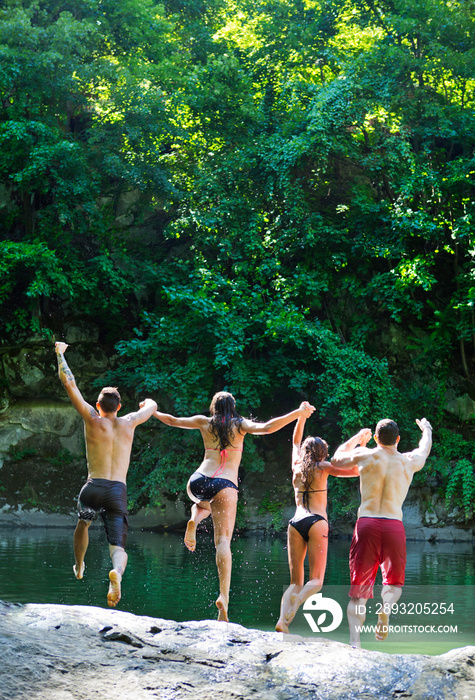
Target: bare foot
114,594
382,628
190,536
281,626
292,610
79,574
222,609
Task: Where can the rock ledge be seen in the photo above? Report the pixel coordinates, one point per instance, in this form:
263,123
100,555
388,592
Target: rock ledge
54,652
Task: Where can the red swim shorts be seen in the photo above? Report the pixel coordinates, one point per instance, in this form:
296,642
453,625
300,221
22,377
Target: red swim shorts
377,542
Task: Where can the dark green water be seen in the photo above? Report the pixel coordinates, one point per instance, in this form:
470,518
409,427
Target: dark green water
164,580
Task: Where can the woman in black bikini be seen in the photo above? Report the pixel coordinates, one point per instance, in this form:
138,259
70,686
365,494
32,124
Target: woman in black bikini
213,487
308,529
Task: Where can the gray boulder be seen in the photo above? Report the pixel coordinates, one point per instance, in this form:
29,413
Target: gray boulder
54,652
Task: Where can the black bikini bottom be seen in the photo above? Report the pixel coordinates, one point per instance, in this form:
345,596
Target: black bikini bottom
304,524
204,488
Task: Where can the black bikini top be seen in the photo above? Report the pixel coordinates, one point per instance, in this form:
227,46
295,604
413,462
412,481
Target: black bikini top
305,493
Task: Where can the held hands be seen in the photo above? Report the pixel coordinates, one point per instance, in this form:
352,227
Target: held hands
361,438
60,347
423,423
143,403
148,402
306,409
364,436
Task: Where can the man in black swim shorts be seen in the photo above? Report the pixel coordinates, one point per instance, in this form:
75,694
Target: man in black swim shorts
109,500
108,445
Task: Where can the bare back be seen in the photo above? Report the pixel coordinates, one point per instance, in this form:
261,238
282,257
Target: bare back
311,497
215,458
385,474
385,477
108,437
108,446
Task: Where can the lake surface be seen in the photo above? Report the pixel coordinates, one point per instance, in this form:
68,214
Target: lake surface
163,579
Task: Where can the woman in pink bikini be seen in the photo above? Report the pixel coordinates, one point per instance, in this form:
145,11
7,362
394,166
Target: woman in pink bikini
213,487
308,529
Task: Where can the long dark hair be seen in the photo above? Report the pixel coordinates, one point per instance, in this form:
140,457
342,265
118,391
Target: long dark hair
223,418
313,450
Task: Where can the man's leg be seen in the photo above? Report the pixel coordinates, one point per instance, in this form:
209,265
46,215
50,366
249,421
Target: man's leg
80,542
356,613
390,595
119,562
364,561
393,566
116,524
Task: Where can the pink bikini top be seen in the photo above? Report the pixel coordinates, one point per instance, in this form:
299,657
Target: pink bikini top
223,455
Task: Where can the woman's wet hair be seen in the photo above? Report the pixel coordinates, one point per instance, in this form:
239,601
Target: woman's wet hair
224,418
109,399
313,450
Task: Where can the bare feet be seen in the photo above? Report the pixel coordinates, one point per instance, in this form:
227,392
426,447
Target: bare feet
190,536
382,628
222,609
79,574
114,594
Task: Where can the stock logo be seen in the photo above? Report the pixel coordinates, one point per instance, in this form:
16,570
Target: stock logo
327,607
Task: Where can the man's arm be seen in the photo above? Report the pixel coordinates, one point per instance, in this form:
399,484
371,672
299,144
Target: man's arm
190,423
146,409
67,378
271,426
348,454
418,457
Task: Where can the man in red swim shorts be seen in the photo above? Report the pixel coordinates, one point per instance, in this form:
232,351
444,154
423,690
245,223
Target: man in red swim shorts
379,539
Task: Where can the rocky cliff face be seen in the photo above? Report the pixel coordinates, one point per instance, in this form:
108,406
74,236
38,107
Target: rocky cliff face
42,450
53,652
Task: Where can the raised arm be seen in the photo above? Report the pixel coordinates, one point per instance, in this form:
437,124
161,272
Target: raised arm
298,433
271,426
147,409
418,456
69,383
347,454
190,423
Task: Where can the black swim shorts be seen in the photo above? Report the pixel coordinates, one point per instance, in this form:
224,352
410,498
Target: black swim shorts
109,500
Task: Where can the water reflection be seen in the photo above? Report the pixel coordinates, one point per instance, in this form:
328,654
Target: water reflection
164,579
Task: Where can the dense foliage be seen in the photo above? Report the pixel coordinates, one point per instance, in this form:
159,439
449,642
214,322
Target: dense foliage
271,197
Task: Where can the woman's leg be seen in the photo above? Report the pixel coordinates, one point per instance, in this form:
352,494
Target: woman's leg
223,513
317,563
199,511
296,549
